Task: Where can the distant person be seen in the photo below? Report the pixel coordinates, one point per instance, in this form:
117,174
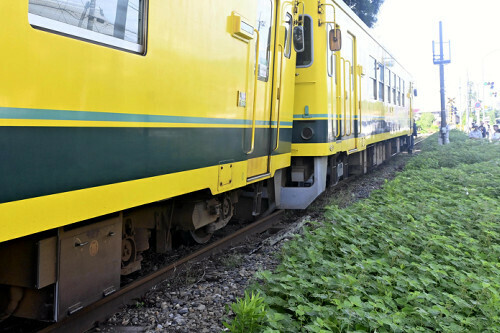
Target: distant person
412,137
483,130
495,136
475,133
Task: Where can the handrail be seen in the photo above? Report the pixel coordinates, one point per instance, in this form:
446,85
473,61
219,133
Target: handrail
332,84
256,78
343,62
300,22
350,100
359,101
338,73
334,14
280,90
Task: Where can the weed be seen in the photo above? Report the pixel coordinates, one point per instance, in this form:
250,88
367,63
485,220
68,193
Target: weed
232,260
250,314
419,255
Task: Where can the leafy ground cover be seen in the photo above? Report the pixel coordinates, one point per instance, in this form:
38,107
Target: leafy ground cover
419,255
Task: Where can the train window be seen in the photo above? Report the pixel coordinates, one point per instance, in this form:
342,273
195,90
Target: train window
399,90
381,82
394,88
115,23
288,35
330,55
264,22
305,58
403,94
388,72
373,78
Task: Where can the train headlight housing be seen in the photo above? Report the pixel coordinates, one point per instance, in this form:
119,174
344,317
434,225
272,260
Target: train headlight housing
307,133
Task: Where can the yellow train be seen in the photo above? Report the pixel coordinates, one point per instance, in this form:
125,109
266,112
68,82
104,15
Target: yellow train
124,122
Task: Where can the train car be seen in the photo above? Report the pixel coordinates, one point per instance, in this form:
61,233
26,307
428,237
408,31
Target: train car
122,121
353,103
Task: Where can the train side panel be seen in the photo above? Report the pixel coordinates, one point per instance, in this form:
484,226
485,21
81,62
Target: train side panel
89,130
126,125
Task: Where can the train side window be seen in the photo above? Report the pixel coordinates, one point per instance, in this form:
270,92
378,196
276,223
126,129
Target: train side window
288,35
264,23
394,88
373,78
116,23
388,81
381,82
399,91
305,58
330,56
403,94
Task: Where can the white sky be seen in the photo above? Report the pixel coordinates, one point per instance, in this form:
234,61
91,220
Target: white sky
408,27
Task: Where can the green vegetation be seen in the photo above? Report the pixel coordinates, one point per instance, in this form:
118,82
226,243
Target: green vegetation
251,312
366,10
420,255
426,123
492,116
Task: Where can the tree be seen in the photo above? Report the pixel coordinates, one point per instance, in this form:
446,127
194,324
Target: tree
367,10
425,123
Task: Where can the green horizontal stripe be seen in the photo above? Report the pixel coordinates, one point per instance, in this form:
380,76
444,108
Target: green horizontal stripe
39,161
317,116
44,114
323,132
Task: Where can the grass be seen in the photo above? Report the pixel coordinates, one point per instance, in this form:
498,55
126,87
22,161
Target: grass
419,255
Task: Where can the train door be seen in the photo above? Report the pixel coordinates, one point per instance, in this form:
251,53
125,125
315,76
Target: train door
333,90
258,155
274,24
348,94
284,73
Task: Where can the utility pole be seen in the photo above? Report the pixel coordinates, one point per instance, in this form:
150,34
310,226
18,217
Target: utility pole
90,22
469,103
121,19
439,59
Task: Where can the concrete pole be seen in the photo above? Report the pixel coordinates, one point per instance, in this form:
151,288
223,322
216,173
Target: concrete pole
443,128
121,19
90,22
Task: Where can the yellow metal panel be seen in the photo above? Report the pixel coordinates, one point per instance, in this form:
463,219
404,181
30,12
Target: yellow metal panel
280,162
115,81
257,166
313,149
225,177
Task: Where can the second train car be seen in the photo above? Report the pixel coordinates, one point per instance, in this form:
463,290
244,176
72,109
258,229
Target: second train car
353,103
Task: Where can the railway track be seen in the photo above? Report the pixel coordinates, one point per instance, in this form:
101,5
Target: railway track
86,318
420,139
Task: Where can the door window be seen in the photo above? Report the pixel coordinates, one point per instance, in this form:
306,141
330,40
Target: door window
264,24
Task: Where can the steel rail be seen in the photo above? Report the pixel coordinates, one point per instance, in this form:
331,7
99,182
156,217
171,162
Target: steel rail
86,318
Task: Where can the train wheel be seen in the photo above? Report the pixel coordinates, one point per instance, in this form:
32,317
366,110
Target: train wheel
128,250
200,236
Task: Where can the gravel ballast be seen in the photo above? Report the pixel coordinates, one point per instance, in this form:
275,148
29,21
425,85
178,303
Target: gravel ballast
195,300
